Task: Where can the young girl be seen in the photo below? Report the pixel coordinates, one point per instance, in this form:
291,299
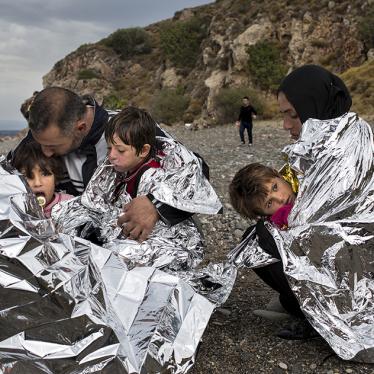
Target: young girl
41,173
260,191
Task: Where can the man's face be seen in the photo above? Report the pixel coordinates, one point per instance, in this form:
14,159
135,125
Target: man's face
245,102
291,120
54,142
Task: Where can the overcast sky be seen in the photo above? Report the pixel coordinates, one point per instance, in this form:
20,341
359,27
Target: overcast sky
35,34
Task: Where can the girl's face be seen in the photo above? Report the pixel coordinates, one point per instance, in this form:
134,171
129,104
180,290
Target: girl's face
41,183
123,156
279,193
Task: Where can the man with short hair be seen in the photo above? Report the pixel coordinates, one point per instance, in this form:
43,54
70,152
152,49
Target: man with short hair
245,120
67,125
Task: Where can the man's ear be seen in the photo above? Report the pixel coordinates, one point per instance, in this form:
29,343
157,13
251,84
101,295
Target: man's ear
81,126
145,150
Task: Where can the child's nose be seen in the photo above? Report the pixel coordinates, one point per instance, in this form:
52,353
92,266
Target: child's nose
280,199
111,154
36,182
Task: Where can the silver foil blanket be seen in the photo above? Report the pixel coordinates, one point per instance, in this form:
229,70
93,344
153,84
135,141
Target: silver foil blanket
179,183
69,306
328,251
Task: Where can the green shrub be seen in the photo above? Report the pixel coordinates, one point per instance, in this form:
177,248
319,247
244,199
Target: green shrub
113,102
366,28
129,42
168,105
329,59
319,43
266,65
360,82
228,101
85,74
193,111
180,41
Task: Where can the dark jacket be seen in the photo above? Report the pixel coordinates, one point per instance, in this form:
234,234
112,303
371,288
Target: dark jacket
245,114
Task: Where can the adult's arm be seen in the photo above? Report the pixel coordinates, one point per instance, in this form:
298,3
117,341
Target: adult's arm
254,111
141,215
240,114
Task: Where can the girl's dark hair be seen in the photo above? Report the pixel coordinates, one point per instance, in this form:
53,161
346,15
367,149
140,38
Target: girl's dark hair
247,189
29,154
134,127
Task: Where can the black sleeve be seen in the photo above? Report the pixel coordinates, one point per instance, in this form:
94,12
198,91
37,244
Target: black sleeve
168,214
254,111
159,132
240,113
266,241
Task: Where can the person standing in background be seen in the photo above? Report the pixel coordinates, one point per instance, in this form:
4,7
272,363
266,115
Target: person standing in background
245,120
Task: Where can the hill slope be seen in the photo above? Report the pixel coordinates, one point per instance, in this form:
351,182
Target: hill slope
178,67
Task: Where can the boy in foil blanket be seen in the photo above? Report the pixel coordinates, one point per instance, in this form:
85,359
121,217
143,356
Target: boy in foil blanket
139,163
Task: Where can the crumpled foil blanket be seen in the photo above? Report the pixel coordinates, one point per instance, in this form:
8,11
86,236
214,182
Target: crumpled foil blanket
178,183
328,251
70,306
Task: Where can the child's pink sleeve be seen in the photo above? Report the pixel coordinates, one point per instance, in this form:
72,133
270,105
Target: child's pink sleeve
65,196
57,199
280,217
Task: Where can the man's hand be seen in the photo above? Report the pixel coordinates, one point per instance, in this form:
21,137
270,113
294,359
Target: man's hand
139,218
237,124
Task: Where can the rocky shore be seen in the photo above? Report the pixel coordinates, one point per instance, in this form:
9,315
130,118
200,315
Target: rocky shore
237,341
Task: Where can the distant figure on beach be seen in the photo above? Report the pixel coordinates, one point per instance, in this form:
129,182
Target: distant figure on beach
244,122
67,125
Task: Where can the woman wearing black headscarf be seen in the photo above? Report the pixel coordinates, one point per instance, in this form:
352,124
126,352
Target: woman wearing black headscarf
326,256
308,92
311,92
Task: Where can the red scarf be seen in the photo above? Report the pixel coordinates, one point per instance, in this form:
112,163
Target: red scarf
131,180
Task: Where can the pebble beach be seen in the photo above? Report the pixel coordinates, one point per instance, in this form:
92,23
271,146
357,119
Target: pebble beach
236,341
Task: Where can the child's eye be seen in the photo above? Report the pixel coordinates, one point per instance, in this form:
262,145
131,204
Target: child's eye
275,187
268,204
45,173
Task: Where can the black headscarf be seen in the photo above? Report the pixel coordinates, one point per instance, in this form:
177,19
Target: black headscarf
316,93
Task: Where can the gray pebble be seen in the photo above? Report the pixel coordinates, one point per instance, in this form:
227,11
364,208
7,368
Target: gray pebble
283,366
238,233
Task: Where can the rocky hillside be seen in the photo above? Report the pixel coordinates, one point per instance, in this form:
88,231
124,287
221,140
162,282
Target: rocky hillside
181,67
